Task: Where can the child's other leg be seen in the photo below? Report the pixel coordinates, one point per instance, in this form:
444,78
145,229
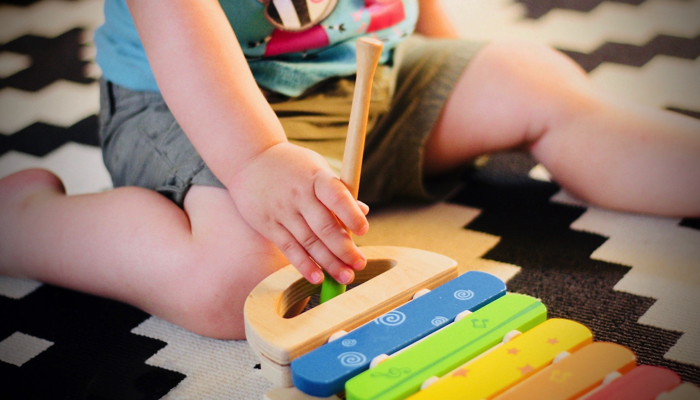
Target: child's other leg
604,150
194,268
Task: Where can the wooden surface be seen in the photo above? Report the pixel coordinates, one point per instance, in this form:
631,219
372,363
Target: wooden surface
404,271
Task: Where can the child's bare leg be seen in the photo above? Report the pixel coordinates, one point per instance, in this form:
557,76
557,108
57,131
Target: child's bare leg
606,151
194,268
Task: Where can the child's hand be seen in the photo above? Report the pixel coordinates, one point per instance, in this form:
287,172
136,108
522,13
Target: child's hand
291,196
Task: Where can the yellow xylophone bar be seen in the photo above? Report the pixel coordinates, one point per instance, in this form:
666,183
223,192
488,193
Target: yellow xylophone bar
511,363
575,374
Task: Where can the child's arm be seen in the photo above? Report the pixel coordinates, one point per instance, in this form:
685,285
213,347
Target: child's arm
432,20
285,192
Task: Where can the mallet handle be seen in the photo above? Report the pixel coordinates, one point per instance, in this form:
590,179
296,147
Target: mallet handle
368,52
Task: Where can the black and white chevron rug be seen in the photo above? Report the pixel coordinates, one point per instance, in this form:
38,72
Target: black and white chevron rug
632,279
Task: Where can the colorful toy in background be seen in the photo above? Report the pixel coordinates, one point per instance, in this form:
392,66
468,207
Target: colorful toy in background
466,339
303,27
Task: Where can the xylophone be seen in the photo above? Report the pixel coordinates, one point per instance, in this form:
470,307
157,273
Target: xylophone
466,338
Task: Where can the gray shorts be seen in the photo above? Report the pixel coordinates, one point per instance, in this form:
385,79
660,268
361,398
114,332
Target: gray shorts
144,146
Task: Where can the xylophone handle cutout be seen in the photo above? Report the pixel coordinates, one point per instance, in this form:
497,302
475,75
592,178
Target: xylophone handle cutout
297,294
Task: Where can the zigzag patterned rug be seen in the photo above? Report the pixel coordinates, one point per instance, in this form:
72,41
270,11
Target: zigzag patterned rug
632,279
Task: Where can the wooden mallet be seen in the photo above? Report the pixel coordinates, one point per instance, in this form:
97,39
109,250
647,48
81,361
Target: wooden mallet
368,52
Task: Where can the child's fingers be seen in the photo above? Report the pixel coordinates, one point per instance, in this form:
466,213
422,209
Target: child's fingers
295,254
326,227
317,249
337,198
363,207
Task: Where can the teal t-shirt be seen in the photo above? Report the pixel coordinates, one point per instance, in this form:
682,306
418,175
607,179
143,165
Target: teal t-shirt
284,55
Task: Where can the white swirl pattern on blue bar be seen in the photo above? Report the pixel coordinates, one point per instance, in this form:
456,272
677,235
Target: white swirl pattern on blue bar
464,295
352,358
392,318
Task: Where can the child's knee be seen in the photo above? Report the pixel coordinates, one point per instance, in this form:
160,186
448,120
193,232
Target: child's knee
535,60
539,82
29,181
535,71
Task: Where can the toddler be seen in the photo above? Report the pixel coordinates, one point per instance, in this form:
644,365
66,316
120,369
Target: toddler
222,123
